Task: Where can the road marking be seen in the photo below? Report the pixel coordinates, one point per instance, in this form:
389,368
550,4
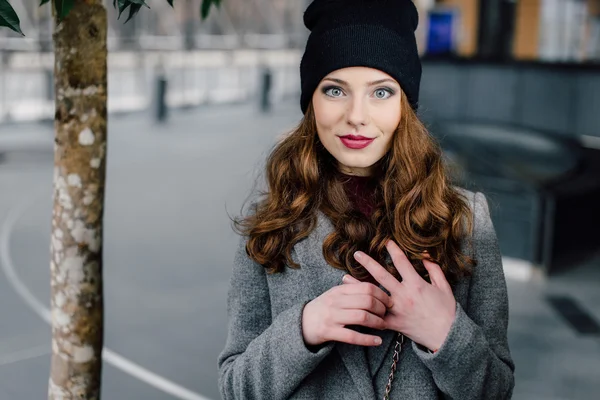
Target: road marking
116,360
25,354
517,269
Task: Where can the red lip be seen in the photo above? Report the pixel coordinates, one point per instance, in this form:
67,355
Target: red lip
355,144
355,137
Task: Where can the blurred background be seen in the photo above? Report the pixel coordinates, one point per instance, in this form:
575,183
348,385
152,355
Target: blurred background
511,89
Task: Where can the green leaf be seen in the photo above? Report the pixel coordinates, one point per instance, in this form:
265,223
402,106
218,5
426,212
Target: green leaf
63,7
8,17
122,6
140,2
205,7
43,2
133,9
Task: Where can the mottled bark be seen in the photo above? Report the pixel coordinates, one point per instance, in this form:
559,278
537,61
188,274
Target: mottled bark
79,172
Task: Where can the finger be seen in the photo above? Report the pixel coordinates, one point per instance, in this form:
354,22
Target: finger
402,263
349,279
380,274
369,289
346,335
436,274
364,302
360,317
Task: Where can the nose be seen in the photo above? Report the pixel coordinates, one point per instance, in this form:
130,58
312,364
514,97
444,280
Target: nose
358,113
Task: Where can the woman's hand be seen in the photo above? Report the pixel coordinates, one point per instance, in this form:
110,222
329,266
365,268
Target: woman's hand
326,317
423,312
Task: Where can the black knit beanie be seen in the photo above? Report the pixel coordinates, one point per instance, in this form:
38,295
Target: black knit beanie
361,33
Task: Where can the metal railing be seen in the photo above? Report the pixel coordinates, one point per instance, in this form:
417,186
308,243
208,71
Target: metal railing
194,78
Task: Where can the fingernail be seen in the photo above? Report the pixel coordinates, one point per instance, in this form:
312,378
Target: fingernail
344,278
377,341
358,255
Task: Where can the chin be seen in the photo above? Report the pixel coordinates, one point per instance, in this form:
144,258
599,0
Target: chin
358,164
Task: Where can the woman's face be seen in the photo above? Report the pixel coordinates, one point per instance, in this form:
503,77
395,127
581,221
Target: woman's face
357,111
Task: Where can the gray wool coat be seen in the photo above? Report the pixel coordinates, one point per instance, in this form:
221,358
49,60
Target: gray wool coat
265,356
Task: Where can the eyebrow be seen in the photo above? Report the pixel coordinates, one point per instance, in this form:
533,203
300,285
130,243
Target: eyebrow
373,83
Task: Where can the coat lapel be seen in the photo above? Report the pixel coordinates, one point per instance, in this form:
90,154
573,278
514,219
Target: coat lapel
382,355
355,360
353,357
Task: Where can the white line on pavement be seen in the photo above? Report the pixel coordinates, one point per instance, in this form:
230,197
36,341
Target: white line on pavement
25,354
116,360
516,269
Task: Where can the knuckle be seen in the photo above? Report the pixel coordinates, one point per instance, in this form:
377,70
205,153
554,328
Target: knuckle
373,303
362,316
348,336
370,289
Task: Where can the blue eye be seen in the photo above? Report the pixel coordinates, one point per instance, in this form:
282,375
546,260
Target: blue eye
333,91
383,93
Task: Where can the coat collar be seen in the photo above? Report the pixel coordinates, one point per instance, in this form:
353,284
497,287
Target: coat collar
354,357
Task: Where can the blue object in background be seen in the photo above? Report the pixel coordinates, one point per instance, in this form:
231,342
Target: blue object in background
440,38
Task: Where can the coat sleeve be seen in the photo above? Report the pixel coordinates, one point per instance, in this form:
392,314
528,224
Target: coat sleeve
475,362
264,358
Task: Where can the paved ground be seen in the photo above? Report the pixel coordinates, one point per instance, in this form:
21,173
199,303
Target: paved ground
168,253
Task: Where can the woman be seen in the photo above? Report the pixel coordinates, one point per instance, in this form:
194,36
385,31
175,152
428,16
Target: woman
363,273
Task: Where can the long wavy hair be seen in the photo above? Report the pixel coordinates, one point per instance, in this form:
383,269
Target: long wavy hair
415,205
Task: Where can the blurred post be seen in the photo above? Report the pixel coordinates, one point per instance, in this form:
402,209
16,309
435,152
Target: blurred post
189,26
496,25
265,93
3,93
49,79
160,92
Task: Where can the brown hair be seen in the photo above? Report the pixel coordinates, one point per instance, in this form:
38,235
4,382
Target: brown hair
415,204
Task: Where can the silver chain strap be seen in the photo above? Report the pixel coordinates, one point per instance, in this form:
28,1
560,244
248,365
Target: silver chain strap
395,358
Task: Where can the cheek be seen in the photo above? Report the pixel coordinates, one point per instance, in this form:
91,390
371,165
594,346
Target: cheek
326,115
388,118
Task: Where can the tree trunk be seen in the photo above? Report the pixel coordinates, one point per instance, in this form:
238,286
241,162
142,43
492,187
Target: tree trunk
79,171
